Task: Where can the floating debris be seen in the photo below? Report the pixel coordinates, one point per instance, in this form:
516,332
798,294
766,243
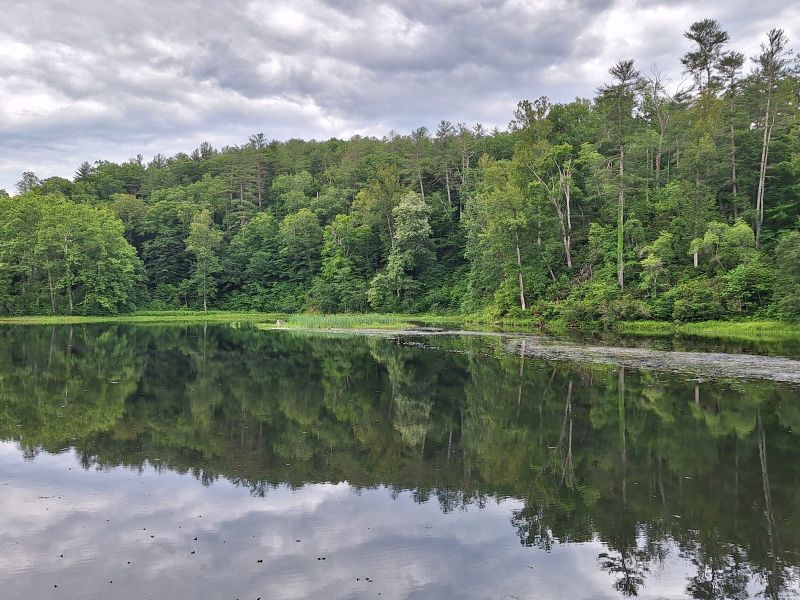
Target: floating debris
711,365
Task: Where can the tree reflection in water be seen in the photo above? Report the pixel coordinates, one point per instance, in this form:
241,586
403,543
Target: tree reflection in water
648,464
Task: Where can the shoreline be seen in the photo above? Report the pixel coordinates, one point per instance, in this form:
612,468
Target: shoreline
767,331
533,341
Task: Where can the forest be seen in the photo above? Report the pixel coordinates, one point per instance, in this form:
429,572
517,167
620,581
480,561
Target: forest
656,199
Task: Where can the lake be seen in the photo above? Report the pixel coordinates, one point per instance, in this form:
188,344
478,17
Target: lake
228,462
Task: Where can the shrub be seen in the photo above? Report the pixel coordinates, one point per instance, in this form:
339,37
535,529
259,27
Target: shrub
787,261
747,287
696,300
600,301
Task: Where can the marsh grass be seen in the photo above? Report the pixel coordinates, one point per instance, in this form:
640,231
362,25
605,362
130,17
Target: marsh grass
764,331
365,321
265,320
172,316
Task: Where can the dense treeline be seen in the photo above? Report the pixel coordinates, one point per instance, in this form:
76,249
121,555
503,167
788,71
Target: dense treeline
649,201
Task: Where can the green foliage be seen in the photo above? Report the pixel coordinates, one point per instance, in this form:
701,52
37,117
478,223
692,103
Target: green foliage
203,242
301,244
697,299
61,257
599,301
292,191
657,258
339,286
500,246
410,255
252,264
787,259
341,283
725,246
163,249
748,287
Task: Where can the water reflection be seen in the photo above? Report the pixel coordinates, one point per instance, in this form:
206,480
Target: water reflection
420,469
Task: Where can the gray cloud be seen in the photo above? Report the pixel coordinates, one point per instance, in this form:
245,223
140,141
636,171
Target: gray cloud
103,79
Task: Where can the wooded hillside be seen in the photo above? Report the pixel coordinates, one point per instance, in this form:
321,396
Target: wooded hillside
652,200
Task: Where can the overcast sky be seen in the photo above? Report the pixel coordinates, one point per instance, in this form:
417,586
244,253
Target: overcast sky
112,79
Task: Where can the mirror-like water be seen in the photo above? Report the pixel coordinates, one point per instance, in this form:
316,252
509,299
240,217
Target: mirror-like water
222,462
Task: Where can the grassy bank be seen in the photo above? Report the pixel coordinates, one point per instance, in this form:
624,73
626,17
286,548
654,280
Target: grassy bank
144,317
364,321
762,331
301,321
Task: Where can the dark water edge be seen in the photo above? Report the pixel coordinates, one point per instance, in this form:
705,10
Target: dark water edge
692,343
772,338
407,465
704,365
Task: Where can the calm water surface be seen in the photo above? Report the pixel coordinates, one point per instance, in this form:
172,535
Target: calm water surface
222,463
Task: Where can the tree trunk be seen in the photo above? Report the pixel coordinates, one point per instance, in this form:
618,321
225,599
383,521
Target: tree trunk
258,184
660,152
205,297
538,225
52,293
734,185
464,169
762,170
69,273
658,167
568,236
519,273
447,185
621,220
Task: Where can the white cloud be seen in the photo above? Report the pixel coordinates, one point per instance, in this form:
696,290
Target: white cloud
111,80
138,530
